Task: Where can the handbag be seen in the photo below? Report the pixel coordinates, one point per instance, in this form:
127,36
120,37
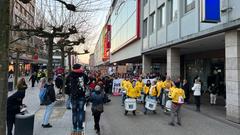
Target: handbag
98,108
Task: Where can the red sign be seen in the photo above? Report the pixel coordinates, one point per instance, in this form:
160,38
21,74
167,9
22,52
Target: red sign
107,42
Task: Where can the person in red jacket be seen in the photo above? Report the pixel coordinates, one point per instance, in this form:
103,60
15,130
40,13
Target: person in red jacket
92,85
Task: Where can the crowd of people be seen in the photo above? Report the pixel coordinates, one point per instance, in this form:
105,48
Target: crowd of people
82,86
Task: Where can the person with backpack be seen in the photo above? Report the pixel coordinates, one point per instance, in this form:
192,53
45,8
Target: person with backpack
177,95
76,83
97,99
49,102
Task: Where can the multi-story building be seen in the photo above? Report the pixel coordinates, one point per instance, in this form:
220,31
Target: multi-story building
33,48
183,38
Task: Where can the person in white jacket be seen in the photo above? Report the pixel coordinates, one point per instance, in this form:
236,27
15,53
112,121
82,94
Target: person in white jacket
197,93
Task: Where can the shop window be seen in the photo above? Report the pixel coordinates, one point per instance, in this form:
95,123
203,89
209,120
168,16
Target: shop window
189,5
161,15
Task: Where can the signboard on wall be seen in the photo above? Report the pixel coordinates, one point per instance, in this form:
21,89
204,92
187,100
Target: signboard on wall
210,11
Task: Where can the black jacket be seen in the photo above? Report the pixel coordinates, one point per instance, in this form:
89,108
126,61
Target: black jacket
13,105
59,82
72,84
51,96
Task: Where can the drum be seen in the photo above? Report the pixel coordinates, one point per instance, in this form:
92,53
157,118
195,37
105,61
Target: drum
130,104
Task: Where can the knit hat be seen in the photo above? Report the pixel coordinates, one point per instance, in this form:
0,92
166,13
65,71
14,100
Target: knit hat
77,66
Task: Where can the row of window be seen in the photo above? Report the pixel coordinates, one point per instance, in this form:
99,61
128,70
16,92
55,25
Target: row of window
24,24
24,12
161,14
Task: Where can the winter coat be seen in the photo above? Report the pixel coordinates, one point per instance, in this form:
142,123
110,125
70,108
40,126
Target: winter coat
72,84
197,89
175,94
13,105
59,82
132,92
51,96
139,87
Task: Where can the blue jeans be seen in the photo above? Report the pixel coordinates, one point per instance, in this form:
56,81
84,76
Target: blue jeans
68,102
78,113
48,112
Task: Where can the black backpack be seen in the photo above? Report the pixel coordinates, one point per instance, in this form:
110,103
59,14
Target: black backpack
77,88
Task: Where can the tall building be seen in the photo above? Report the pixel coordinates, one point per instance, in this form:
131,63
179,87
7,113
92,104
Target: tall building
33,49
183,38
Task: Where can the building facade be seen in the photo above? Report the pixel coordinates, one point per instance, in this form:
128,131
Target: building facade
33,49
175,38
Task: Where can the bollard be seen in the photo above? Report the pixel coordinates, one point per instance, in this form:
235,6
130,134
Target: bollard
24,124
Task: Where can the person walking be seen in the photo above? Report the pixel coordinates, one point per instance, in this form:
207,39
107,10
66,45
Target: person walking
33,78
49,102
14,105
177,95
76,82
197,93
22,86
213,93
42,89
186,89
97,99
10,80
59,83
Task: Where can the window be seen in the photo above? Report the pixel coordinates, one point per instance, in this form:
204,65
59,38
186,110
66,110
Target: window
145,28
145,2
189,5
173,9
152,23
161,15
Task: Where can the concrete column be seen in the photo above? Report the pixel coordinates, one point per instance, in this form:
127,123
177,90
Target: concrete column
232,56
173,63
146,63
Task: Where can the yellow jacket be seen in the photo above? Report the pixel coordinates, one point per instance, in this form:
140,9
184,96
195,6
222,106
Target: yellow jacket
146,89
139,87
132,91
153,91
125,84
160,85
168,84
175,93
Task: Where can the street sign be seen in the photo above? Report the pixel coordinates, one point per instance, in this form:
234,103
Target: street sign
210,11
